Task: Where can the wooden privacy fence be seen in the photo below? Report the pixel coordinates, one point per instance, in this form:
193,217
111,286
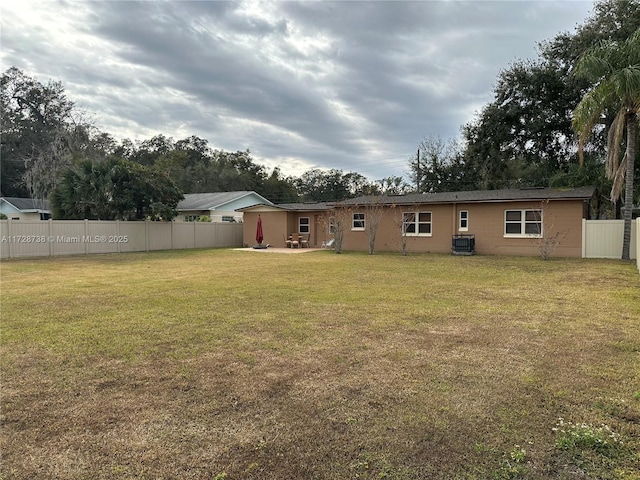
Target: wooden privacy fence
37,238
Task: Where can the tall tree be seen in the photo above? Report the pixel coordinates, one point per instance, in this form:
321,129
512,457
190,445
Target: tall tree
149,151
393,185
613,68
278,188
438,166
524,136
41,131
115,189
334,185
319,186
196,148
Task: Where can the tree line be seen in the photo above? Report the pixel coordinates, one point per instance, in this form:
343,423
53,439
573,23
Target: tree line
50,150
525,137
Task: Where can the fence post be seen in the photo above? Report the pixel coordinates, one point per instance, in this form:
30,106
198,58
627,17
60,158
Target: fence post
584,238
638,243
50,237
9,232
86,235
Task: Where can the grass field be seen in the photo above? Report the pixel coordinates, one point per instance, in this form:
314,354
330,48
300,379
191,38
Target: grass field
225,364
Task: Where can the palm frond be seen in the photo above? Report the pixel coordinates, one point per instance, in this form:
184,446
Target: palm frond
588,114
614,140
626,83
633,47
595,63
618,179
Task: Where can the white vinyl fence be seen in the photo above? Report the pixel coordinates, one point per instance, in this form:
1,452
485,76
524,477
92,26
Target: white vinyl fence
637,229
37,238
603,239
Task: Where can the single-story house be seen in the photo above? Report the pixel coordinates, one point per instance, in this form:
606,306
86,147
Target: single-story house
25,208
501,222
218,206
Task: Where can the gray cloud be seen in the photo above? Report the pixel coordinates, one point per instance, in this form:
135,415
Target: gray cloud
351,85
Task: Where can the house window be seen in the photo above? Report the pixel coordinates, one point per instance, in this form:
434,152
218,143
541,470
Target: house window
416,224
191,218
228,218
358,221
523,223
463,221
303,225
332,225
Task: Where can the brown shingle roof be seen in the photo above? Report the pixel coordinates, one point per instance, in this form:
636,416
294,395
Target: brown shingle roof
479,196
307,206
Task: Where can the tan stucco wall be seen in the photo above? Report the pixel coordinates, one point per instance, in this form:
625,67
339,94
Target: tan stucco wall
276,223
486,222
559,217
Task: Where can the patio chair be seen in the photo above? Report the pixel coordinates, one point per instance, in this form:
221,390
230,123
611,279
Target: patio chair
295,240
287,241
328,244
304,241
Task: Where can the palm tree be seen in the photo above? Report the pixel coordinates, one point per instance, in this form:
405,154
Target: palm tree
614,70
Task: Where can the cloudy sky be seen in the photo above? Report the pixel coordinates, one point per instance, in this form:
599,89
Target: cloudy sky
349,85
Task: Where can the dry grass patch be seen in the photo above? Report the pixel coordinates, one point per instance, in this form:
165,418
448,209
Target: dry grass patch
227,364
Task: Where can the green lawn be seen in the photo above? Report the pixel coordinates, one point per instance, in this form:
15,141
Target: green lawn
250,365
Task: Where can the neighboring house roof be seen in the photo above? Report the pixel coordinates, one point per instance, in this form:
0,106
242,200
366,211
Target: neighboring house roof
479,196
27,205
214,201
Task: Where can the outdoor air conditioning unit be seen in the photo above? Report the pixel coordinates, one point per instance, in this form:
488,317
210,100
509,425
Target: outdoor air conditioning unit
463,244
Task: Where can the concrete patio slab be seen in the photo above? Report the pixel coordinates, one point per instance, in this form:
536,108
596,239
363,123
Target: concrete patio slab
280,250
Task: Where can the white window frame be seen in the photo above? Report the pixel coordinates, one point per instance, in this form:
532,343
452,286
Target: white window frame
360,220
463,223
414,219
523,222
332,226
304,227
